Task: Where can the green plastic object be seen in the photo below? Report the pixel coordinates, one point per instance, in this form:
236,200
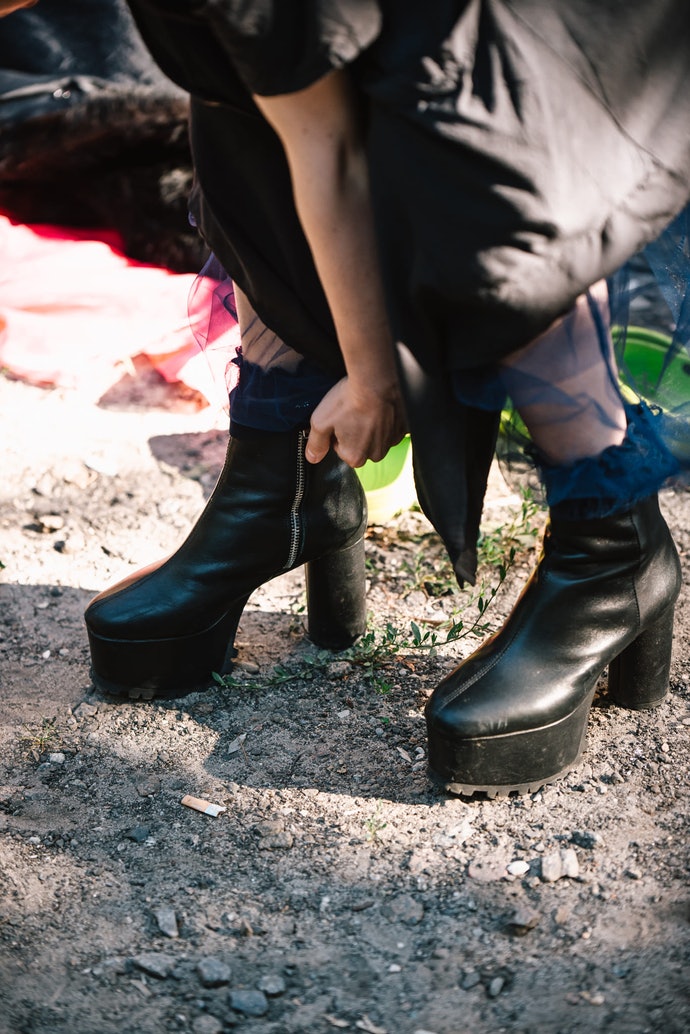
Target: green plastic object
389,484
644,355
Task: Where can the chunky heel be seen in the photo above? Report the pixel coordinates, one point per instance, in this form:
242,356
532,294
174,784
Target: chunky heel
336,597
143,669
639,675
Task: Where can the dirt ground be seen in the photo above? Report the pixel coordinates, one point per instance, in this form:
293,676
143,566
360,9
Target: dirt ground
341,889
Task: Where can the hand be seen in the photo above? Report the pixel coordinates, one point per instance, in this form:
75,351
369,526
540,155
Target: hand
358,422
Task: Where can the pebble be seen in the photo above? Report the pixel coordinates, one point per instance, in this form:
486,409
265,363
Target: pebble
149,786
517,868
249,1003
58,758
495,987
470,979
272,985
404,909
213,972
569,863
551,867
84,710
138,834
561,863
522,921
155,964
207,1024
167,922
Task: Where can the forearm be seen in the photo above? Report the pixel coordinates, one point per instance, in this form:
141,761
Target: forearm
320,132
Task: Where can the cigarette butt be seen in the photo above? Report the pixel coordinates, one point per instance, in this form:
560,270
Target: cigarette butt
205,807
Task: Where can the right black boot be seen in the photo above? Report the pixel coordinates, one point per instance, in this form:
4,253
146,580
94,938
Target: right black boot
168,627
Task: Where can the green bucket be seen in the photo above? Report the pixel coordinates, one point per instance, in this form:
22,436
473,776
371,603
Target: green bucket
643,356
389,483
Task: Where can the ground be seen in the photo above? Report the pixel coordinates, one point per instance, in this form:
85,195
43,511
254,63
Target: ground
341,889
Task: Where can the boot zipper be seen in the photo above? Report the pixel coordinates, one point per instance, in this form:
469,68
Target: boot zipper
295,516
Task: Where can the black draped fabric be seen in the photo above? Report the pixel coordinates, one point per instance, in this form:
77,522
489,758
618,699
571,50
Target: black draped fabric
520,150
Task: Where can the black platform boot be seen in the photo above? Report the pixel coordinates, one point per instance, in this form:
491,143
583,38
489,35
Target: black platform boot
513,716
168,627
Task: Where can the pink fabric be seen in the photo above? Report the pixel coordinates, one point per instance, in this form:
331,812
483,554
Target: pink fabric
74,309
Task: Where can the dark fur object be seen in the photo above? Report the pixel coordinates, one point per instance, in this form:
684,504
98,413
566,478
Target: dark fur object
92,133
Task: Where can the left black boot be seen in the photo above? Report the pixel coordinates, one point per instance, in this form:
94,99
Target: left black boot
513,716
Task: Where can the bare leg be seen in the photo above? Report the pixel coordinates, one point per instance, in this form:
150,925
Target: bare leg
563,384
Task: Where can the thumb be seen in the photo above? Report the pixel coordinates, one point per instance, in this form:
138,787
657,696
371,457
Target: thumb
318,444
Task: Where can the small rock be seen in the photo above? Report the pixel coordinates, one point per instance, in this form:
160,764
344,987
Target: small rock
84,710
404,909
551,867
522,921
167,922
517,868
272,985
269,827
207,1024
149,786
213,972
138,834
249,1003
51,522
569,863
58,758
470,979
495,987
155,964
633,874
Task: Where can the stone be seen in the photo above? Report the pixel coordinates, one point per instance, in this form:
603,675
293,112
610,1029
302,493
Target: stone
522,921
517,868
138,834
495,987
470,979
84,710
404,909
213,972
167,922
569,863
155,964
249,1002
551,867
272,984
207,1024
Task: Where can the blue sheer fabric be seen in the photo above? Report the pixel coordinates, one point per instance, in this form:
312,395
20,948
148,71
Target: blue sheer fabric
643,336
270,386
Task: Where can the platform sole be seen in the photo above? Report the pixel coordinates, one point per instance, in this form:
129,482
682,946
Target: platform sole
142,669
518,762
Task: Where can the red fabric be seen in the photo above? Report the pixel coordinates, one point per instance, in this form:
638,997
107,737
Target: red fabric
74,310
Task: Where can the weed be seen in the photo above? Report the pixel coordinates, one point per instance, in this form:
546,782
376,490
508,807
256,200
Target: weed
374,824
39,740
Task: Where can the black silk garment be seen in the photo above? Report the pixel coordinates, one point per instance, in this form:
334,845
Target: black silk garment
519,151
